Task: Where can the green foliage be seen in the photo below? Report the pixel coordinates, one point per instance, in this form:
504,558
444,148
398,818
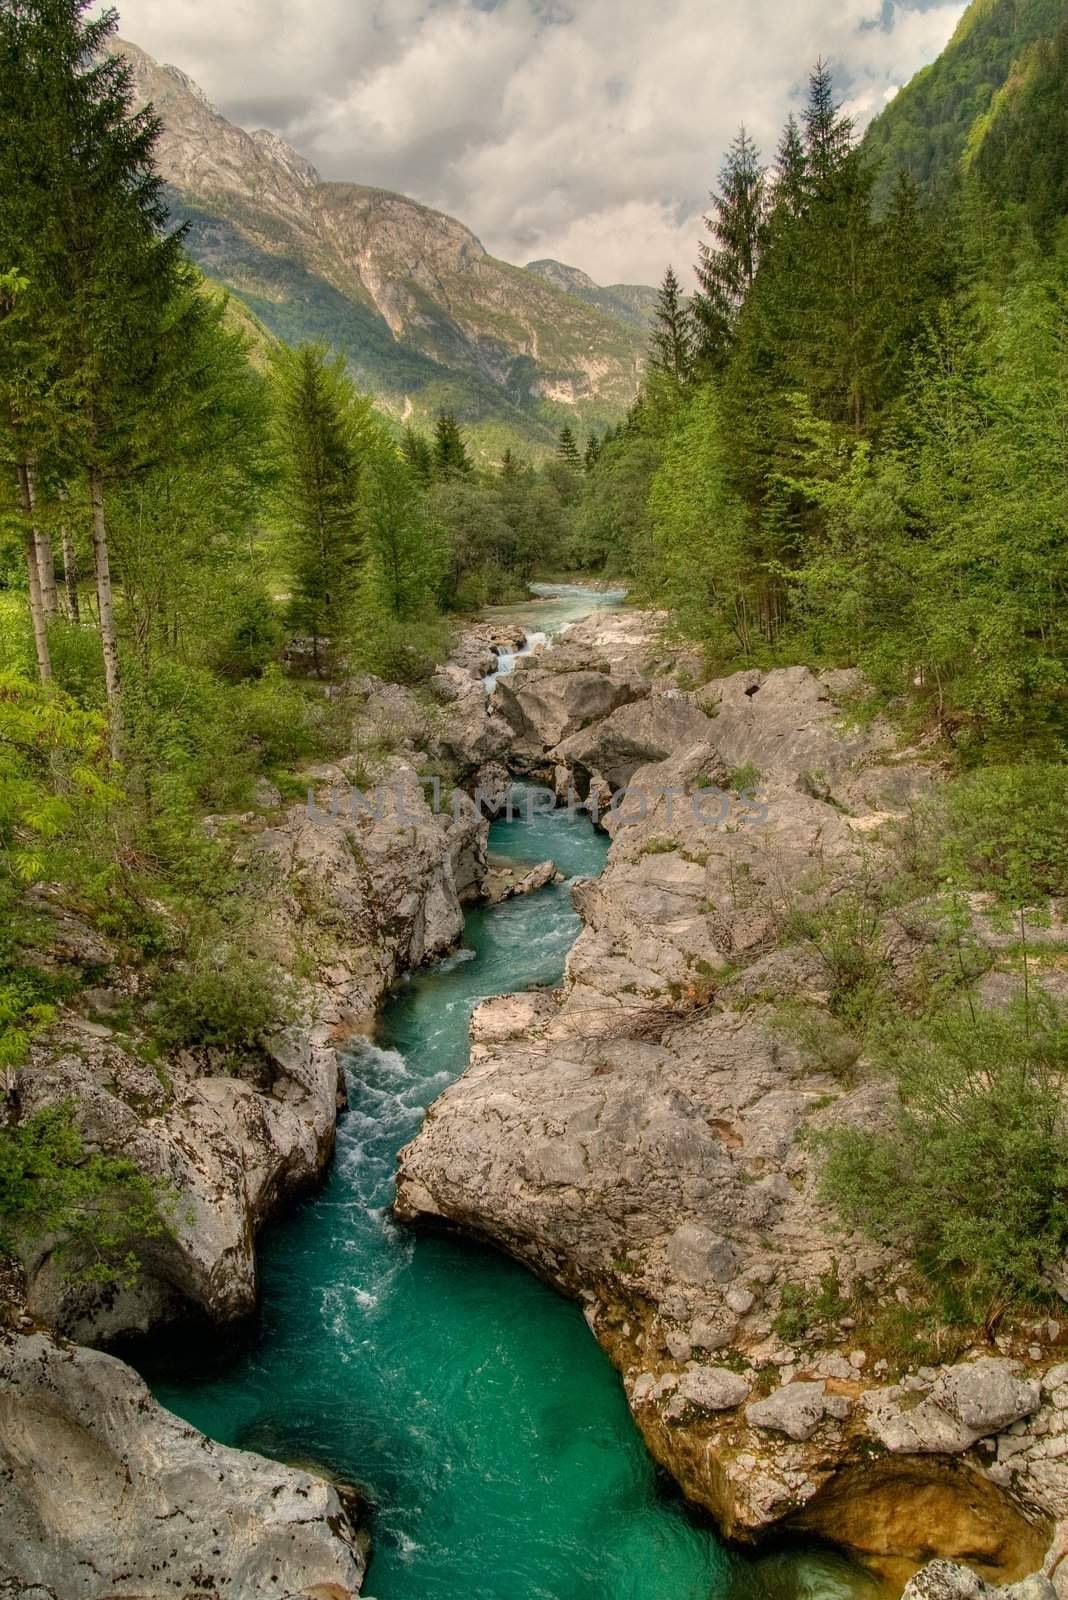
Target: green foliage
926,129
220,997
973,1177
321,432
98,1209
1005,829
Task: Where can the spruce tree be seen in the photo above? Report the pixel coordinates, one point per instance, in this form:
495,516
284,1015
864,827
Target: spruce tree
828,134
317,424
450,449
85,218
671,343
567,452
791,171
593,452
727,268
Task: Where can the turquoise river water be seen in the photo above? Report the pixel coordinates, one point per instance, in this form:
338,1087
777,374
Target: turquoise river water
487,1428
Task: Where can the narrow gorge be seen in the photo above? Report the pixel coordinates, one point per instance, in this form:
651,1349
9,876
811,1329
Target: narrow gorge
634,1124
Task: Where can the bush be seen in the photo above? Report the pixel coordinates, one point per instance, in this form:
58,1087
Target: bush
1006,830
221,997
973,1179
100,1207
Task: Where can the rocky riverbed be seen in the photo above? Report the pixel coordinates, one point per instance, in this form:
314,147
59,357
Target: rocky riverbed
644,1137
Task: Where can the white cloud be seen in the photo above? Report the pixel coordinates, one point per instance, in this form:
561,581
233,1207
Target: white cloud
588,130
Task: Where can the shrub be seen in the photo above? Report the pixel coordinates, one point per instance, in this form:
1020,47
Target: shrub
100,1207
221,997
973,1178
745,780
1006,830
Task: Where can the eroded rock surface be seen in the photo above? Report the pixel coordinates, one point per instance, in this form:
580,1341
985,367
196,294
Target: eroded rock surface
104,1494
363,891
644,1137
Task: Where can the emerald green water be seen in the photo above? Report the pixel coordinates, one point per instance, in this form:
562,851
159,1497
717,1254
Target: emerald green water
489,1431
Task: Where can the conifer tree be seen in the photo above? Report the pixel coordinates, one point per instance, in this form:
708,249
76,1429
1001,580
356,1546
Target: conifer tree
417,451
450,448
828,133
791,171
727,268
593,451
84,215
567,452
15,445
318,421
671,343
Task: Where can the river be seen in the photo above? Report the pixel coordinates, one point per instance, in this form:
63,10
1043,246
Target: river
470,1402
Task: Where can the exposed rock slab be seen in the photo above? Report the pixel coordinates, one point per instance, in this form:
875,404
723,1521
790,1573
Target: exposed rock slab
104,1494
643,1141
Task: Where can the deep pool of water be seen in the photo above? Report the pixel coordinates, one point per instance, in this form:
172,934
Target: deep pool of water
471,1403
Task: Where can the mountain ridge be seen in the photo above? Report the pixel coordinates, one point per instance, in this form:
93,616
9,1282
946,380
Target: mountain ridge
426,317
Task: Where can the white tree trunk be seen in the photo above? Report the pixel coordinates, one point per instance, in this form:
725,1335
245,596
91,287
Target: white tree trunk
37,613
108,641
46,564
70,566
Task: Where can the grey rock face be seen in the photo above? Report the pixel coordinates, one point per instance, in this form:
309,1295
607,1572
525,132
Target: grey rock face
964,1404
387,893
797,1409
104,1494
544,707
636,735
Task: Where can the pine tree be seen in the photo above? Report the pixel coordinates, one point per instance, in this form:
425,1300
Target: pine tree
450,449
405,550
593,452
318,421
671,344
567,452
84,215
727,268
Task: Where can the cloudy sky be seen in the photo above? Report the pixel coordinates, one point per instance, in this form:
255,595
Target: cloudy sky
586,130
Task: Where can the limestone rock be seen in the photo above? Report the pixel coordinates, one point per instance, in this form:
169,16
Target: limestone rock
965,1403
639,733
105,1493
796,1409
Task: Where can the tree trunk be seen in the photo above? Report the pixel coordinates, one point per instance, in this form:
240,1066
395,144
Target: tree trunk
108,640
46,562
37,613
70,567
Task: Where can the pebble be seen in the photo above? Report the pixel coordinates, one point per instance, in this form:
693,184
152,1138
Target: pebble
858,1359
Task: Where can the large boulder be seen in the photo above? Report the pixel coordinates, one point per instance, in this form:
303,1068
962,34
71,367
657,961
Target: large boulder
544,707
635,735
106,1495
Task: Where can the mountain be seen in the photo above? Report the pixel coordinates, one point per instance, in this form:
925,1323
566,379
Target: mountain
427,319
937,121
630,302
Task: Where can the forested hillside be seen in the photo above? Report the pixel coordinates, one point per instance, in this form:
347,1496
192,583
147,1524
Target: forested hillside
932,124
